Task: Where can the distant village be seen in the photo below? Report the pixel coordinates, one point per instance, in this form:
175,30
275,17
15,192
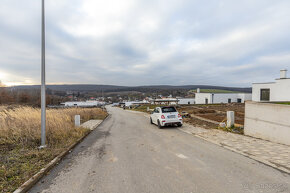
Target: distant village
262,111
260,92
200,98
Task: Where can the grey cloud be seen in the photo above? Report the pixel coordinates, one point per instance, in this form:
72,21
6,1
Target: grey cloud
151,42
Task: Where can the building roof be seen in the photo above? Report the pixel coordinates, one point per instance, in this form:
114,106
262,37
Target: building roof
165,100
224,93
266,83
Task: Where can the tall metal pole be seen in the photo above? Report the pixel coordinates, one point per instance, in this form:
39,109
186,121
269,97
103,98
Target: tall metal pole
43,101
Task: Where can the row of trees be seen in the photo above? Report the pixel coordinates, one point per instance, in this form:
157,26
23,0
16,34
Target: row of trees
10,95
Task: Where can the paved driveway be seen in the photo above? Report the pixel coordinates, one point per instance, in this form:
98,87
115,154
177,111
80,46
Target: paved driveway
128,155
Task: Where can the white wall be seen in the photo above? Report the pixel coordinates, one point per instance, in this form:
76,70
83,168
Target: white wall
268,121
279,90
81,103
185,101
223,97
130,103
165,103
216,98
200,98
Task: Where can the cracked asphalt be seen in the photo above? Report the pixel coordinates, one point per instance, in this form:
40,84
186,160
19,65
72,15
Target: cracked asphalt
126,154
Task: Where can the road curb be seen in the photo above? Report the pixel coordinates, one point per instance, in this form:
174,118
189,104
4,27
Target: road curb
34,179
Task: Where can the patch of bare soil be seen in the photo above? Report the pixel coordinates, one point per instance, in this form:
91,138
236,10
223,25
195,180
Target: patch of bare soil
219,117
216,112
200,123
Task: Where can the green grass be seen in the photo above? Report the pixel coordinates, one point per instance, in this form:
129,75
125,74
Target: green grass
215,91
283,103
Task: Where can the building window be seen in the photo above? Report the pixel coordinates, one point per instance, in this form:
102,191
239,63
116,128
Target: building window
229,100
265,95
239,100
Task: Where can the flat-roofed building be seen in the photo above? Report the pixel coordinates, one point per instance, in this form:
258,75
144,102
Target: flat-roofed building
267,116
186,101
83,103
165,101
278,91
217,98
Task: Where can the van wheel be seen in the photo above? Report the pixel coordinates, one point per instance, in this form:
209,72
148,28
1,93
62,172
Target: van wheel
179,125
151,121
159,125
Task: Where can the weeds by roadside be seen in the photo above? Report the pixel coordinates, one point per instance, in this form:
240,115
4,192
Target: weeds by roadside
233,129
20,137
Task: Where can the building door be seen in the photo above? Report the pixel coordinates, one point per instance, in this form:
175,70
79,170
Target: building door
265,95
229,100
206,100
188,103
239,100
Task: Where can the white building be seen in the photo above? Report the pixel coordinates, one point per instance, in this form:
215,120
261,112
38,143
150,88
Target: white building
131,103
186,101
82,103
165,101
215,98
273,91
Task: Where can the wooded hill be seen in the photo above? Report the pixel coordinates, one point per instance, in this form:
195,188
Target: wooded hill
145,89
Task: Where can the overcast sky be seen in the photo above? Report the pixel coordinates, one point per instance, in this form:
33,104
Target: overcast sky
146,42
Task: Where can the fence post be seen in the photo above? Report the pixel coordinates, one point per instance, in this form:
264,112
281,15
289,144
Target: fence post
230,118
77,120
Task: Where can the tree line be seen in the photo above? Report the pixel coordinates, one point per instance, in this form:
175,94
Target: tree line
10,95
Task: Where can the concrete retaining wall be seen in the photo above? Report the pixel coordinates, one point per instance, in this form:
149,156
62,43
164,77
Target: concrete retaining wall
268,121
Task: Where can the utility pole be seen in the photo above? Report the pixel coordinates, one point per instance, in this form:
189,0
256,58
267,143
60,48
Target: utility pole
43,101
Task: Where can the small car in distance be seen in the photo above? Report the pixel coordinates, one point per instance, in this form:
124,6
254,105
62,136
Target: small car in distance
165,116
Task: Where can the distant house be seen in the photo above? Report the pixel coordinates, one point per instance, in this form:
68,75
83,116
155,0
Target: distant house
216,98
131,103
186,101
165,101
273,91
82,103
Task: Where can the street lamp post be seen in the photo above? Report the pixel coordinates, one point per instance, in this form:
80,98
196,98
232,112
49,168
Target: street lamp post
43,101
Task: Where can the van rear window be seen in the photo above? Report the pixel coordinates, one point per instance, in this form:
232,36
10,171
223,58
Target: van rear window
168,109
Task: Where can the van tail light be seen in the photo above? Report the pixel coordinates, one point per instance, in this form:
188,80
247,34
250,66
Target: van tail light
162,117
179,116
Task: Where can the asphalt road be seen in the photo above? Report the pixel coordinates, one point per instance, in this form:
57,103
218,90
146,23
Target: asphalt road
128,155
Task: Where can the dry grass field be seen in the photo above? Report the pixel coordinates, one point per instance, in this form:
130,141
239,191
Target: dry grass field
20,137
